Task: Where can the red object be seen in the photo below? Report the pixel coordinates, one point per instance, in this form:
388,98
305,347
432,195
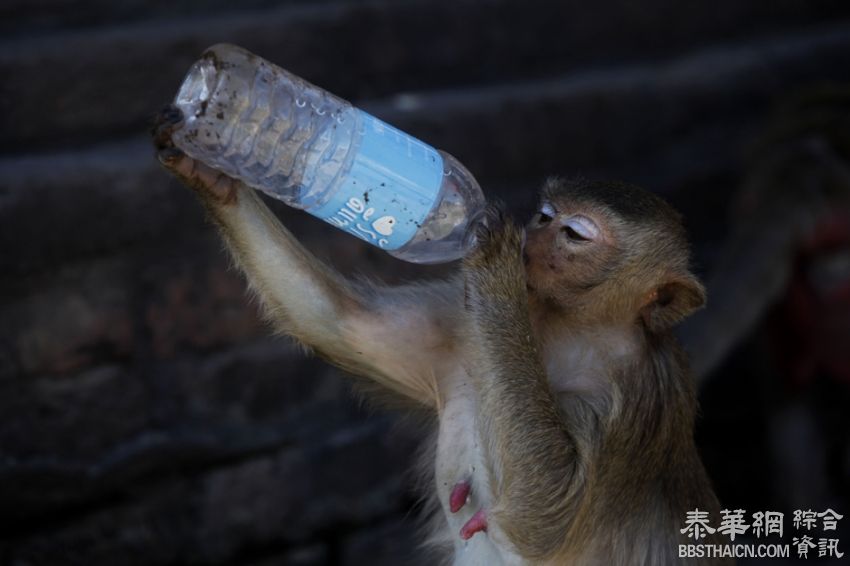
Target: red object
815,313
460,492
478,523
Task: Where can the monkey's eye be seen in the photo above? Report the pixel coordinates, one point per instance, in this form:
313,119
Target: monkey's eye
546,214
580,229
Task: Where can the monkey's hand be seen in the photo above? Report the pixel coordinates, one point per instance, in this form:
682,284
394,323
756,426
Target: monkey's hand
493,269
206,181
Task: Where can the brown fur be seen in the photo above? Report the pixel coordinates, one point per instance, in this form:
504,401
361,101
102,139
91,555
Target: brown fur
559,392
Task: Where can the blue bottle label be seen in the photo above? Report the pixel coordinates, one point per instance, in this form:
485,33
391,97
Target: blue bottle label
391,187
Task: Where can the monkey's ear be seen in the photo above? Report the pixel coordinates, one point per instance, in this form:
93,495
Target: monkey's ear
671,302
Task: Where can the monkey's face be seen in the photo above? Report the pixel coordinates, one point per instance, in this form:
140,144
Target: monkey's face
570,250
610,252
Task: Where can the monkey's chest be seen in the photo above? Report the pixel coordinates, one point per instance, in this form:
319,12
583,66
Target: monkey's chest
460,458
462,481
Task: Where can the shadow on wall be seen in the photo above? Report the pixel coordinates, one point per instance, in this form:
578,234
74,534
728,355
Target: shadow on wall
147,418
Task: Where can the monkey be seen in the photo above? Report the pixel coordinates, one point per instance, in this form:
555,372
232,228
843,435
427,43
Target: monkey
564,407
789,210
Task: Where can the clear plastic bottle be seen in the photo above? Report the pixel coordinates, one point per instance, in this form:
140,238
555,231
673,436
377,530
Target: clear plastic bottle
288,138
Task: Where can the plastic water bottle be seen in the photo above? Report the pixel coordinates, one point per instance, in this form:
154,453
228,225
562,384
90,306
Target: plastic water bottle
286,137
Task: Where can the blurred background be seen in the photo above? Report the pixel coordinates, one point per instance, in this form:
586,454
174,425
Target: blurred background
147,416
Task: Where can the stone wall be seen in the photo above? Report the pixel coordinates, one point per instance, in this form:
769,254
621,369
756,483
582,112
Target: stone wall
146,415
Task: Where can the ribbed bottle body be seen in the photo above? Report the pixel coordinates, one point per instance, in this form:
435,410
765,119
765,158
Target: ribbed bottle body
296,142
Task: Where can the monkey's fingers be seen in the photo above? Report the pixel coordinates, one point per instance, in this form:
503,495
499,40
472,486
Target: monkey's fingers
498,241
478,523
459,496
202,178
491,223
193,173
164,123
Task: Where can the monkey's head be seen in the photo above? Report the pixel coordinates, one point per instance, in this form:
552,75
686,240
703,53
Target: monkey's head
610,252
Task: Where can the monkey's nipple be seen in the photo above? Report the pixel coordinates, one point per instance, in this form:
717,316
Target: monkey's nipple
459,496
478,523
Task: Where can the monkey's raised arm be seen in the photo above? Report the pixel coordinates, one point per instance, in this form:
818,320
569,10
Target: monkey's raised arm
388,336
530,453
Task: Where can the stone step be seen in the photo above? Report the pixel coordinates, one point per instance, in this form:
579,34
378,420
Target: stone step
91,432
82,85
20,18
210,517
